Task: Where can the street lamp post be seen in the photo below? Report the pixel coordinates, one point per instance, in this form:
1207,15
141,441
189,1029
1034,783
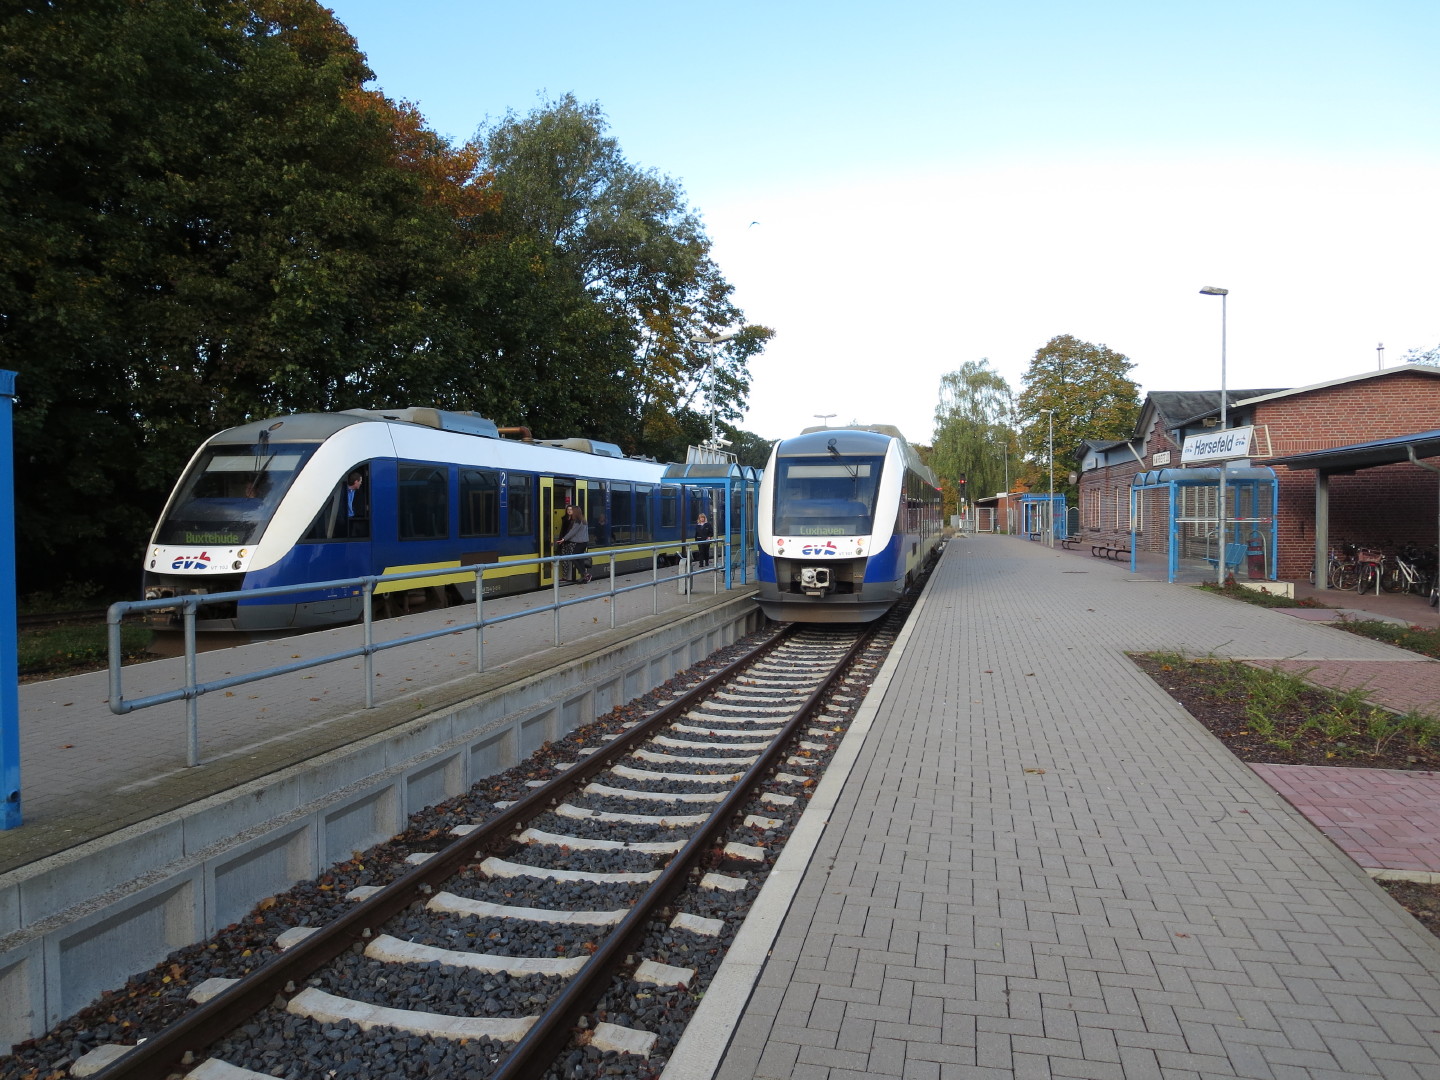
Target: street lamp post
1213,290
717,338
1050,453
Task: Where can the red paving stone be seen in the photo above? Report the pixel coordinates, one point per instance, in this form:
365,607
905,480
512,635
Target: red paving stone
1397,684
1384,819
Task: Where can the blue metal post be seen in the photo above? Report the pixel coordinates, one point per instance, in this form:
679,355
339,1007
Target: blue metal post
1173,559
9,634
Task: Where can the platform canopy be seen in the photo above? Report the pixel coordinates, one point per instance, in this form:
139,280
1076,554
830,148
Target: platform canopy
1366,455
1194,523
735,488
1342,460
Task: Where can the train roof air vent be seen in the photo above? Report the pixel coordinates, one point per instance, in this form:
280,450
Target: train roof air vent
466,423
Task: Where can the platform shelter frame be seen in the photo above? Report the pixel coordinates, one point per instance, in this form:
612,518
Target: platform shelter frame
1040,514
1251,519
736,488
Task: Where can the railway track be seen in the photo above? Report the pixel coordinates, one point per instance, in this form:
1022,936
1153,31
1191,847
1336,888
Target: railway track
567,933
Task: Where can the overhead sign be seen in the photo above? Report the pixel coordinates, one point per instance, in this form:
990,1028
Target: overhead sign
1217,445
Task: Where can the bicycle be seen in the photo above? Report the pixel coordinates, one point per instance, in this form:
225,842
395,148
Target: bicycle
1368,572
1412,570
1341,570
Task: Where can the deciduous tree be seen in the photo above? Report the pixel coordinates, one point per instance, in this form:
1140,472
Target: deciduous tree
1092,394
974,437
628,265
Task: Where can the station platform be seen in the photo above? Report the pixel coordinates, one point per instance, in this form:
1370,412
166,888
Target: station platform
1039,865
87,773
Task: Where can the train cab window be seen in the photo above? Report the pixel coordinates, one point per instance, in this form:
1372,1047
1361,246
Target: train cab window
479,502
345,514
829,498
643,533
520,495
230,493
669,508
423,509
622,513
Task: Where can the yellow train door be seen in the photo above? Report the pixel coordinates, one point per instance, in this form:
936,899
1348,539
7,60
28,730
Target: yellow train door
549,521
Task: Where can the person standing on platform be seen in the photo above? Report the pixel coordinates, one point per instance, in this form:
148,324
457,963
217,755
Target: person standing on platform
576,541
703,535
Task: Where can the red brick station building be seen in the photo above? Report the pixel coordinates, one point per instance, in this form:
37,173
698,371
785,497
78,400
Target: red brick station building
1348,447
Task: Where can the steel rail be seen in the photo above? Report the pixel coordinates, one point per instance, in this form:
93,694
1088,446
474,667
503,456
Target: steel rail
161,1054
535,1052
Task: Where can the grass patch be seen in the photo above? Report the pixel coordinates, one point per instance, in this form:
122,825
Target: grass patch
1415,638
1259,599
55,650
1276,716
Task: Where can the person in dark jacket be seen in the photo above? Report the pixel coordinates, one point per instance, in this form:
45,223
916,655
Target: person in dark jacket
703,534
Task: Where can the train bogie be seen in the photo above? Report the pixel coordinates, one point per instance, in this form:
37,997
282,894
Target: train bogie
847,518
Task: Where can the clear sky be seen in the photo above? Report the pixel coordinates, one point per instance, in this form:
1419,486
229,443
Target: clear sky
933,183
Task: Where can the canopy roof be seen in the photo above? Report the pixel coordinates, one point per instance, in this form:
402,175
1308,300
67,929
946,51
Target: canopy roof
1365,455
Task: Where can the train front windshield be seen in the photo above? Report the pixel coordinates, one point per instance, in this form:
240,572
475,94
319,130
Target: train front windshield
230,494
820,497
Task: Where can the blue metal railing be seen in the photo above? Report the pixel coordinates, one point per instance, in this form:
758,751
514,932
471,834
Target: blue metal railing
193,689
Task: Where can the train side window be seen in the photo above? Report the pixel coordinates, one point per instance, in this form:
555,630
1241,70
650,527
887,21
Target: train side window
622,513
424,501
479,502
642,533
345,514
521,505
599,518
669,508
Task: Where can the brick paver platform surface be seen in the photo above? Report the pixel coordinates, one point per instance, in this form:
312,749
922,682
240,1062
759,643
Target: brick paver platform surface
1382,818
1043,867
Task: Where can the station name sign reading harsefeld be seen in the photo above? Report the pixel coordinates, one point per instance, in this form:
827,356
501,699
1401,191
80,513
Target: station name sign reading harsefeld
1217,445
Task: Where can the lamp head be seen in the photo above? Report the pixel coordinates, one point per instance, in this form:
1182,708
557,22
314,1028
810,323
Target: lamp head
1214,290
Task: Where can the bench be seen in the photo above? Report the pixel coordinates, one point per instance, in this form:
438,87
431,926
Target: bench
1109,551
1234,556
1069,542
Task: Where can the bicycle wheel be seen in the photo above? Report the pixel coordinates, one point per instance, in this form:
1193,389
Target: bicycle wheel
1392,578
1369,579
1347,576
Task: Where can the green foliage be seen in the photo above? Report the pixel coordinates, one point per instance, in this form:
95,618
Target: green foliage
1092,394
748,448
974,434
60,650
630,283
1280,706
206,218
1233,591
1417,639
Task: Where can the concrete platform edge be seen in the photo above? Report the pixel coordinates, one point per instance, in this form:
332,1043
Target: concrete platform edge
83,920
707,1037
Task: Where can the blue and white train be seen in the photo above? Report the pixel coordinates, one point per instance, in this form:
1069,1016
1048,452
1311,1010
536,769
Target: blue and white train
847,517
319,497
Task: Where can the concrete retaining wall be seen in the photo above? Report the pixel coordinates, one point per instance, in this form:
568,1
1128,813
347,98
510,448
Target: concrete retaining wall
86,920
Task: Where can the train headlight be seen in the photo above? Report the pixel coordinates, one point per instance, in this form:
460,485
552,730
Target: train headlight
235,565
